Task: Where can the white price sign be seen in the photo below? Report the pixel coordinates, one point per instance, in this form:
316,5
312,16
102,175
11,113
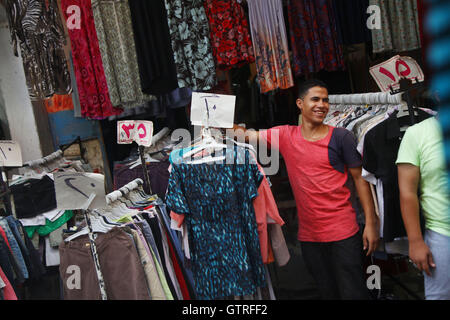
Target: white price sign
79,190
389,73
139,131
10,154
212,110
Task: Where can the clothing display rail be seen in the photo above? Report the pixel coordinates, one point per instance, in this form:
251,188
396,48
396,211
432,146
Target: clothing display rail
115,195
366,98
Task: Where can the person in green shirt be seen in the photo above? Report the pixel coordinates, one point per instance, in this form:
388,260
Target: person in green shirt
421,167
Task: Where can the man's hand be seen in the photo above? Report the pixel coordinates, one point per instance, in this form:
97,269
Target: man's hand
371,234
371,237
421,255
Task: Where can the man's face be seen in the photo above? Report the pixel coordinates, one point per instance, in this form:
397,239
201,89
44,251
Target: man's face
314,105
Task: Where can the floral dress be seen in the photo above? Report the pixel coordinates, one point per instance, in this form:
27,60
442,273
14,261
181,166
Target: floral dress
230,36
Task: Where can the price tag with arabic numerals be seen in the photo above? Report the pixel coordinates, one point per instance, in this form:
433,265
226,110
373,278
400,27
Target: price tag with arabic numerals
388,73
139,131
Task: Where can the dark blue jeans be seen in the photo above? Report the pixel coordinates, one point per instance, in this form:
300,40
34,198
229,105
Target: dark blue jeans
337,268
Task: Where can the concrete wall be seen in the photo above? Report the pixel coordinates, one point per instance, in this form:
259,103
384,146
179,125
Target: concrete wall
17,104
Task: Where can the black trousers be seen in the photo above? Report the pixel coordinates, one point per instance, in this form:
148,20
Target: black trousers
337,268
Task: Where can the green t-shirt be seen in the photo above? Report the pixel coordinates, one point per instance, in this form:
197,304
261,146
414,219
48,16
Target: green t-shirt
49,225
423,146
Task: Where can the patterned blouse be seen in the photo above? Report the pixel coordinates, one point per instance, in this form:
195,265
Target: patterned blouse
230,35
216,199
189,33
38,29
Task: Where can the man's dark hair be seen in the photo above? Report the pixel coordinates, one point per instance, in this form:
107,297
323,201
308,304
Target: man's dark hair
308,84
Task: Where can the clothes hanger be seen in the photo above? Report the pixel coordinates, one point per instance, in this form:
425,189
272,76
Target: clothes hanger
97,226
208,142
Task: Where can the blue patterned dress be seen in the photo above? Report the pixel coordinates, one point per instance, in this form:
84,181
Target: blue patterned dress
216,199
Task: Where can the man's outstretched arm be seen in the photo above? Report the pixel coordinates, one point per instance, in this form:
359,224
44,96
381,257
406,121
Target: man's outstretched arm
249,135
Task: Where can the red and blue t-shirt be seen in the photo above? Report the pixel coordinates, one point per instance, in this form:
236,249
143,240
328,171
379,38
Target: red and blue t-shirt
318,173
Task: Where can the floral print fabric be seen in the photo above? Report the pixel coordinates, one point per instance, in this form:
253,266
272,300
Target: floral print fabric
116,41
230,36
87,63
189,33
314,37
399,26
270,44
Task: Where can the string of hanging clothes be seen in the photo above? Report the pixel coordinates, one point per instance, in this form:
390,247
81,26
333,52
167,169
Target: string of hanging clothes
113,69
138,255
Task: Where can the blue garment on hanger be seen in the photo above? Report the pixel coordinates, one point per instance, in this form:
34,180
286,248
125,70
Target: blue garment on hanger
216,199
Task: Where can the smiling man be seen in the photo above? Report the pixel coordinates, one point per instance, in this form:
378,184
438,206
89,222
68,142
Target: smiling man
318,158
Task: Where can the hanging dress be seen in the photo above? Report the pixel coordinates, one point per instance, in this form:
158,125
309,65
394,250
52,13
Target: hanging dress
314,37
153,47
87,63
189,34
36,26
117,47
399,26
270,44
230,37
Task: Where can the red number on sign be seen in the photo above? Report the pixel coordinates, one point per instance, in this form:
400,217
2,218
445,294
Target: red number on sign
403,73
142,126
127,128
387,73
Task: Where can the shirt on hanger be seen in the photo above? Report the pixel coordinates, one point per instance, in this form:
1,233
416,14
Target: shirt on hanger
216,200
380,151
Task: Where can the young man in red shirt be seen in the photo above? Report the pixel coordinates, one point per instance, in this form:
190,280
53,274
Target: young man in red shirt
318,158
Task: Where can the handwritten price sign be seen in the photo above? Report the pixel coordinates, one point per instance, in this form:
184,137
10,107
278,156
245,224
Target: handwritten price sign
10,154
75,190
389,73
139,131
212,110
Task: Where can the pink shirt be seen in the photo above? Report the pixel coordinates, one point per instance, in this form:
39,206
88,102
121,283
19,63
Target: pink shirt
317,174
